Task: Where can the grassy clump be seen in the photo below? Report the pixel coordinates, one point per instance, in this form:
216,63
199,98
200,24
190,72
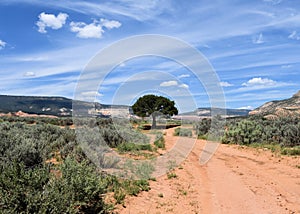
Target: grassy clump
291,151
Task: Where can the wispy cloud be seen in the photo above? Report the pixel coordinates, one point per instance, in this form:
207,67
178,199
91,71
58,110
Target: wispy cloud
294,35
2,44
183,76
90,95
173,83
169,83
183,85
286,66
51,21
29,74
138,10
258,39
274,2
94,29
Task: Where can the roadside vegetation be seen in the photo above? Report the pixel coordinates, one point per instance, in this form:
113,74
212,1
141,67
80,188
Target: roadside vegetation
44,170
279,134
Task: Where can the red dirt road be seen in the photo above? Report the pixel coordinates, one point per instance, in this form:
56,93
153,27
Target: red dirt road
236,180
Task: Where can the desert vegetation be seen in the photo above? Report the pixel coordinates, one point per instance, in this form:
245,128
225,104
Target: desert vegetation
43,170
281,134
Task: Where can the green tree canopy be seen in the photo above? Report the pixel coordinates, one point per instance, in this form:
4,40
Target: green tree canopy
152,105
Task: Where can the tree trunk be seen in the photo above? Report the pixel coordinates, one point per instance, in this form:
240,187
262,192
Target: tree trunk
153,121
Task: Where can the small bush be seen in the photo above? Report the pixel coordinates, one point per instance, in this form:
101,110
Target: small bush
171,175
131,147
183,132
160,141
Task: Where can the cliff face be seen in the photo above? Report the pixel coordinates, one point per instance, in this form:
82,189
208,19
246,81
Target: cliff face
282,108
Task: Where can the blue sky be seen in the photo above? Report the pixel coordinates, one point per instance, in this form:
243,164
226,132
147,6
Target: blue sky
253,46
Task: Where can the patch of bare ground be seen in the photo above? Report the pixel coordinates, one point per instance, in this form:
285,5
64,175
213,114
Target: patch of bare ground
236,180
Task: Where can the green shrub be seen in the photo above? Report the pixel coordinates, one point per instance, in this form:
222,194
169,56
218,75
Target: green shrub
183,132
291,151
202,127
160,141
129,147
27,185
281,131
171,175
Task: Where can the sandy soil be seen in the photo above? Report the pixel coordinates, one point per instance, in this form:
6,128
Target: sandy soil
236,180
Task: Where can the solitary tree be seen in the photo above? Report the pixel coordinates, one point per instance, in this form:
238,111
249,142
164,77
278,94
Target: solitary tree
152,105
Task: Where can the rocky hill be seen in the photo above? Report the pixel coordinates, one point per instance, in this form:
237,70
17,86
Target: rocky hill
58,106
280,108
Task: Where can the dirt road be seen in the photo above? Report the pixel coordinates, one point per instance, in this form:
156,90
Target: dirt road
236,180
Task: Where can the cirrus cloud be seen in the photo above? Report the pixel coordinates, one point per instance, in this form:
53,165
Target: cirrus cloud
94,29
51,21
184,76
173,83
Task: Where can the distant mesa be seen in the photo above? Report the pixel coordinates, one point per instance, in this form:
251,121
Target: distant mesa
62,107
24,106
281,108
21,105
209,112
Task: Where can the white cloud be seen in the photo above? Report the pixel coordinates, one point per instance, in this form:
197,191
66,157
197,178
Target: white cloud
93,30
225,84
110,24
51,21
258,81
173,83
89,96
87,31
184,76
246,107
184,86
258,39
274,2
294,35
169,83
2,44
29,74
